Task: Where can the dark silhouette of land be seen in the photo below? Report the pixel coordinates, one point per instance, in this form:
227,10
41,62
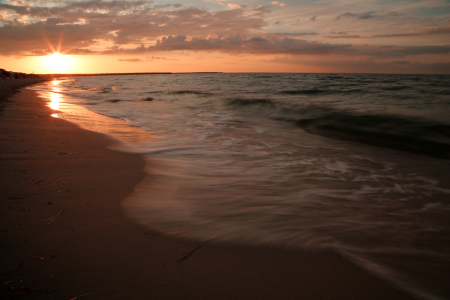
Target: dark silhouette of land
122,74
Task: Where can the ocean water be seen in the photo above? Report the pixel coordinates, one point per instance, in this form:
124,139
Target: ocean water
356,163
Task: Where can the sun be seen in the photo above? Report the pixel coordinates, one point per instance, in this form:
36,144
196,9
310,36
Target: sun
58,63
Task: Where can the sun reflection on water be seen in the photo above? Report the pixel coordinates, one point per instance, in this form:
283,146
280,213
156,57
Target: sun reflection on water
55,100
55,96
55,92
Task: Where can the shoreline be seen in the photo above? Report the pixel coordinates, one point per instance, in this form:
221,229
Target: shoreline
10,86
64,233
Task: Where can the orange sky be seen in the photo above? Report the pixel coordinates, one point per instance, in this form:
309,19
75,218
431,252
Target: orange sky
225,36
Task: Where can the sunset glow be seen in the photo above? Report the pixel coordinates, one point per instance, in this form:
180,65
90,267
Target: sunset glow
226,36
57,63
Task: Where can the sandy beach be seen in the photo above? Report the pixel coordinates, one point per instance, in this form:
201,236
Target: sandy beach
8,87
64,234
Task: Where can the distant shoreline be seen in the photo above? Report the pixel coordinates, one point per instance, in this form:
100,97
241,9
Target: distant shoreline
179,73
57,75
10,86
121,74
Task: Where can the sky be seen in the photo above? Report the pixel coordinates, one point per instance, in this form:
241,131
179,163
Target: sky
312,36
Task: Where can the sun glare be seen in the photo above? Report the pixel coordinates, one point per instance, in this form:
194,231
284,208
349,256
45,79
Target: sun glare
58,63
55,96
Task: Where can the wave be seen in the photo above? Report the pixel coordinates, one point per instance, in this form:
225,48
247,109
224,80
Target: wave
387,131
142,98
397,88
332,77
322,91
401,133
187,92
96,89
155,92
250,102
304,92
264,76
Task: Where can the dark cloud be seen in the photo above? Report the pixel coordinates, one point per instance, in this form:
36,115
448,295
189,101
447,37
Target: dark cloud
339,33
361,16
399,51
239,44
422,31
369,15
285,34
354,36
276,45
395,34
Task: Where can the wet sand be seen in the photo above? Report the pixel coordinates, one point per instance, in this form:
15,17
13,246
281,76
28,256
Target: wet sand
63,234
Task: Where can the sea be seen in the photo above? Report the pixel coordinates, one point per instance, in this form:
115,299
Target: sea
358,164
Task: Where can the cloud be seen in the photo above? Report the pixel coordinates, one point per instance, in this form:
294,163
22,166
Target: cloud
400,51
160,57
235,6
313,18
147,58
21,40
355,36
278,3
401,62
239,44
340,35
87,24
270,35
361,16
88,9
285,45
417,32
368,15
130,59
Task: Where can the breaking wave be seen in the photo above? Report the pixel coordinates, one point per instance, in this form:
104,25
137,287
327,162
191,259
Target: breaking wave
412,134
